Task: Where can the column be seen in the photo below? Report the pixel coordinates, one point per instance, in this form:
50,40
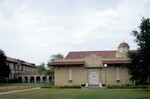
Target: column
41,79
35,79
28,79
47,79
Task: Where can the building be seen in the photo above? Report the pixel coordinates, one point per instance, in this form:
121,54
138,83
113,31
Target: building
25,72
93,67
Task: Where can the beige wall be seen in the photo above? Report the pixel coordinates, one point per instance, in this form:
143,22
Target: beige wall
80,75
111,75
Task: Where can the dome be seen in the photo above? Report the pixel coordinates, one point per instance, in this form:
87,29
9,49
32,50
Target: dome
123,44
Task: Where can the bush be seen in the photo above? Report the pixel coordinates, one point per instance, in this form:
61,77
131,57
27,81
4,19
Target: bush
63,87
127,86
9,81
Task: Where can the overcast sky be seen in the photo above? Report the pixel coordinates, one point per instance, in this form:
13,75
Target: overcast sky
33,30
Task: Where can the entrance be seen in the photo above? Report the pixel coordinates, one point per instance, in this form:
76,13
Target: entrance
93,78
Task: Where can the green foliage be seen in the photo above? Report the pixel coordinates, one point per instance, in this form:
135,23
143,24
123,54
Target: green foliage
63,87
49,72
139,69
128,86
53,57
57,56
41,68
4,68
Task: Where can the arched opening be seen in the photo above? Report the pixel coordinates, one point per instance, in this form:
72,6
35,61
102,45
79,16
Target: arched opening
31,79
50,79
38,79
19,79
44,79
26,79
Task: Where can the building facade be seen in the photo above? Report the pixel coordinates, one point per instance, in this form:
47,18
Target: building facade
25,72
93,67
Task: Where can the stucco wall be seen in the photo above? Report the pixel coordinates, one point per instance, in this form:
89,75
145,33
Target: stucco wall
111,75
80,76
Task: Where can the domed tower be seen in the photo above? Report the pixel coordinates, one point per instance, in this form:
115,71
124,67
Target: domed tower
123,49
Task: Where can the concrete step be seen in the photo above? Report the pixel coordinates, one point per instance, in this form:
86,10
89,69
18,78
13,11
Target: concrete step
93,87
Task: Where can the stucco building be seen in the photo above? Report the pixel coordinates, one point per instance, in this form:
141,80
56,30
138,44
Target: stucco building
93,67
25,72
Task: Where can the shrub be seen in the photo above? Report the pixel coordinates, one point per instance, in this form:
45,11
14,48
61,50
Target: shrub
127,86
63,87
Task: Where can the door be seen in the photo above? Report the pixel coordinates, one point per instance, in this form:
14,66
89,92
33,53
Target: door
93,78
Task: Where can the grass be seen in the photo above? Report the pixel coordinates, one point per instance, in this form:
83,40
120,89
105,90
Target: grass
19,86
128,86
79,94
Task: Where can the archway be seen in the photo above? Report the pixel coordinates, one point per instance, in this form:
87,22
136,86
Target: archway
19,79
25,79
93,78
38,79
44,79
31,79
50,79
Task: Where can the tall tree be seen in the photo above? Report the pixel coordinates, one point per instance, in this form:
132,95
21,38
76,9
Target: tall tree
4,68
140,59
53,57
57,56
41,68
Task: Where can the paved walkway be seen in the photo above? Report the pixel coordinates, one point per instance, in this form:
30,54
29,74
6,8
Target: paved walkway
14,91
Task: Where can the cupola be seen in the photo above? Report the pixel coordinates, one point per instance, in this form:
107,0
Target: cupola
123,48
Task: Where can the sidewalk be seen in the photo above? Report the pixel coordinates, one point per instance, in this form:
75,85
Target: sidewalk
14,91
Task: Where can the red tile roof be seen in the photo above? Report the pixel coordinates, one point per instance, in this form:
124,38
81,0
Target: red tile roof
83,54
116,62
13,60
83,62
67,63
28,73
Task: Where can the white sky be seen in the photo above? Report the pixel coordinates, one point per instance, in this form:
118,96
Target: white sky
33,30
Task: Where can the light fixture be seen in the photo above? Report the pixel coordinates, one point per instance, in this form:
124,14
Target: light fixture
105,65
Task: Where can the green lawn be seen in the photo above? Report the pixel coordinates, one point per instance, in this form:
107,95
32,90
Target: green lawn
19,86
79,94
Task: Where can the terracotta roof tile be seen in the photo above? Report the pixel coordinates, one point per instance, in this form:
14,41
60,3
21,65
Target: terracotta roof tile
13,60
83,54
116,62
67,63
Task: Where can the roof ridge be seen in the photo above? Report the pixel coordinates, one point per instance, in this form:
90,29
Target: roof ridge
96,51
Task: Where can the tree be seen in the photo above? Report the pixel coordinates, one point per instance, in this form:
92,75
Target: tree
57,56
139,68
53,57
41,68
4,68
49,71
